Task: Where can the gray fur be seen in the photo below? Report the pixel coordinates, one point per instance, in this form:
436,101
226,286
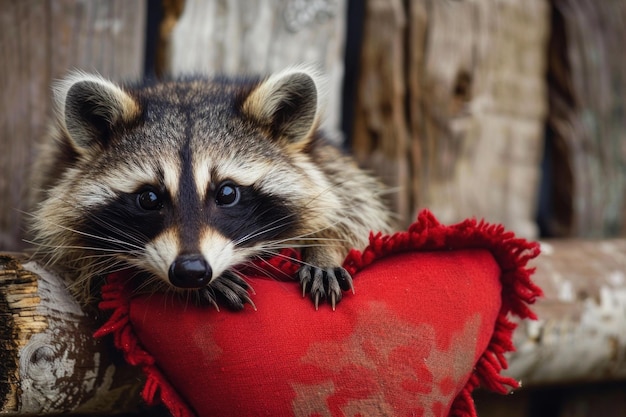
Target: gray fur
185,139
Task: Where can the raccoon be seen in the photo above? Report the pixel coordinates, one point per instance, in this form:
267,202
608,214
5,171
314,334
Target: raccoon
186,180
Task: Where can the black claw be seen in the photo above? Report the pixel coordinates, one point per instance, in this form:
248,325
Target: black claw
304,274
317,286
229,289
206,297
325,283
345,280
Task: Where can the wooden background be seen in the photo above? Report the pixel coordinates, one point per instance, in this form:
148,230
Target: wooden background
511,111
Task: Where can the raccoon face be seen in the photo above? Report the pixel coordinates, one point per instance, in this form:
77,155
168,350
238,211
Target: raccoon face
184,180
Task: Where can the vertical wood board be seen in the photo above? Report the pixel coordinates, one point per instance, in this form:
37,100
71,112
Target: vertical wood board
260,37
41,41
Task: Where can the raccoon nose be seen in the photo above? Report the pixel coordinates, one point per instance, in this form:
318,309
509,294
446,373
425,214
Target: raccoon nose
190,271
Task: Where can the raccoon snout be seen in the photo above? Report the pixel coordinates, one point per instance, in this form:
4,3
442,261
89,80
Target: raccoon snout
190,271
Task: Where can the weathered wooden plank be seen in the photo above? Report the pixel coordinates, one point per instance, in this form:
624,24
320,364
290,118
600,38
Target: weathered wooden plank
381,135
41,41
581,332
262,37
484,108
580,335
587,99
24,88
451,106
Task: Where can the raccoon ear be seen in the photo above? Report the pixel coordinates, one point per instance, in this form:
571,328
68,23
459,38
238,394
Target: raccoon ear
285,104
90,107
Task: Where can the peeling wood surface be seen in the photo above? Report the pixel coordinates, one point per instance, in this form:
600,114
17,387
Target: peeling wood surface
451,106
54,364
581,332
260,37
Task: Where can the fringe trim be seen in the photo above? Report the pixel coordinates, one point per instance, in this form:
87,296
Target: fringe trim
426,234
116,295
518,291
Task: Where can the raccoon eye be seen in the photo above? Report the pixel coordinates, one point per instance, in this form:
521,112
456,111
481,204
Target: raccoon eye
227,195
149,200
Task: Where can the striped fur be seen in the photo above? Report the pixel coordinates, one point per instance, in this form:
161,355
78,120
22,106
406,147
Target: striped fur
188,179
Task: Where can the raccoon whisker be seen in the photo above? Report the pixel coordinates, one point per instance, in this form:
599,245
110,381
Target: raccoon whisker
293,238
242,277
94,263
207,294
310,237
302,241
123,231
105,265
274,225
289,258
94,270
150,283
274,273
252,265
324,191
52,248
264,271
101,238
99,268
135,241
134,206
313,233
153,283
95,256
152,286
277,248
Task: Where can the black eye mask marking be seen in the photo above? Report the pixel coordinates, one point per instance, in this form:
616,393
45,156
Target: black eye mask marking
128,222
242,214
247,216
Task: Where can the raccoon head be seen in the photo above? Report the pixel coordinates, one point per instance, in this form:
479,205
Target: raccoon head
183,179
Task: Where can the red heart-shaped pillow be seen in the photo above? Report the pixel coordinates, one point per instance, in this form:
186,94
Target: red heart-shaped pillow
426,326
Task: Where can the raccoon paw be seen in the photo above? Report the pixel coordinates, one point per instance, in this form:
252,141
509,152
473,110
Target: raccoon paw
324,283
229,289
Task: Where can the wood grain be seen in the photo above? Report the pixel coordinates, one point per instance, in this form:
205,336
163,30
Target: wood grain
381,139
262,37
581,332
587,99
451,107
52,363
40,41
580,335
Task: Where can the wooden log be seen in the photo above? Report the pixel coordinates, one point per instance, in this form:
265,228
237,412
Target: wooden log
259,37
50,361
451,106
41,41
581,332
49,355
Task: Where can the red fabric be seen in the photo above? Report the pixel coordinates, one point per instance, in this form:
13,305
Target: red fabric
427,325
